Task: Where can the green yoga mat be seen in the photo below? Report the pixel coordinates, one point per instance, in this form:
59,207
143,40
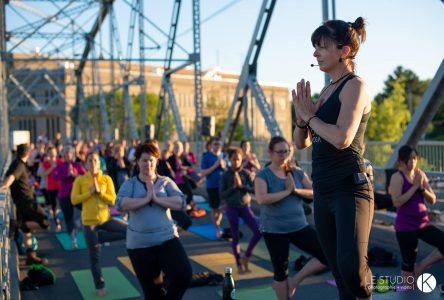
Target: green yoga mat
65,240
261,251
117,286
264,292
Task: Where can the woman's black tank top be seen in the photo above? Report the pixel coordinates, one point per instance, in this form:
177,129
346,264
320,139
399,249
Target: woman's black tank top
331,166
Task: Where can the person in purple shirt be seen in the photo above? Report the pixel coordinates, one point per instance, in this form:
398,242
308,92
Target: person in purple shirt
66,172
410,189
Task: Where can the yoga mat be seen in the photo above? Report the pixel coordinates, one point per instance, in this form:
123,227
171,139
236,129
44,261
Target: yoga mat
204,205
261,251
265,292
65,240
117,286
124,260
206,231
40,200
217,262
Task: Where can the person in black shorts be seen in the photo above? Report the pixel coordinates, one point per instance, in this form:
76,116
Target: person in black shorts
30,215
212,165
335,126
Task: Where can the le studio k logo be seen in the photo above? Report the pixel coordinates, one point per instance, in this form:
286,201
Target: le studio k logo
426,283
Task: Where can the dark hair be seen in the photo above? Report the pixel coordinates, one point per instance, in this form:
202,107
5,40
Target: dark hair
233,150
243,142
276,140
342,34
214,139
151,148
22,150
91,153
404,153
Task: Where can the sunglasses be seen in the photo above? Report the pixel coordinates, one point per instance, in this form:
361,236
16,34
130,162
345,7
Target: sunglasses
282,152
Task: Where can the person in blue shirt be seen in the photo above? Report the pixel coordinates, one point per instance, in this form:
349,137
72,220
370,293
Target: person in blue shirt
212,165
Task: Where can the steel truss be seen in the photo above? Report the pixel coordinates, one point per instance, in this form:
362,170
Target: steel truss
72,32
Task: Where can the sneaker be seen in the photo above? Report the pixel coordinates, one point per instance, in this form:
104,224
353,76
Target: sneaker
74,243
32,258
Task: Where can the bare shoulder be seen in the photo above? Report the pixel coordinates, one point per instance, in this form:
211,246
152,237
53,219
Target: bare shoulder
355,91
396,178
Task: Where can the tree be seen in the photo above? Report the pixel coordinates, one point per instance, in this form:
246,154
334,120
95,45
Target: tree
390,117
217,107
414,88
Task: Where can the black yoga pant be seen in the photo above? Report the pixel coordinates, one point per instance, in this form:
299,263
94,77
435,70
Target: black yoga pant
408,244
182,218
278,245
171,259
343,220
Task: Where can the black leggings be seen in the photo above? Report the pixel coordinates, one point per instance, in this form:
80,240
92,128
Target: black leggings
408,244
170,257
343,221
278,245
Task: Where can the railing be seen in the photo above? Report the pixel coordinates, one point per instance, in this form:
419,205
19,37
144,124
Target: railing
9,277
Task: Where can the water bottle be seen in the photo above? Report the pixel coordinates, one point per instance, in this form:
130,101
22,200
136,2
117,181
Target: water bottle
229,292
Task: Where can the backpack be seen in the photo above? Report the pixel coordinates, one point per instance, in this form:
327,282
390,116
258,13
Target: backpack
40,275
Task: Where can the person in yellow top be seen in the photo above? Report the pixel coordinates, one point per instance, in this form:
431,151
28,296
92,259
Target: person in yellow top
95,192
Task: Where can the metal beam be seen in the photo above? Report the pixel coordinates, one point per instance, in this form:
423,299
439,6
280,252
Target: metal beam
426,110
104,9
56,88
49,19
198,98
248,77
25,92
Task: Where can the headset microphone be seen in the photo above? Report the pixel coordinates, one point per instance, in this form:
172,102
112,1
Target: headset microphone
313,65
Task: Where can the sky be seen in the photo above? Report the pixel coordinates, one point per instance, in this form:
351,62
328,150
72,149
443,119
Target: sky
407,33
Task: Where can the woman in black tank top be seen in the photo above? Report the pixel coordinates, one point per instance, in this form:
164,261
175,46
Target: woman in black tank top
335,127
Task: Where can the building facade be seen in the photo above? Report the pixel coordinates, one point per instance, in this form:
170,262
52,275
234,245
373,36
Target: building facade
42,96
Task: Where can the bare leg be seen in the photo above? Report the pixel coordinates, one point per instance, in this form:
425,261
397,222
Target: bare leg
217,218
244,261
407,279
313,266
427,262
281,289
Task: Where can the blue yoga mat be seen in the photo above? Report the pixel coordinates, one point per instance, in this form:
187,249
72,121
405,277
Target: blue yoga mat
206,230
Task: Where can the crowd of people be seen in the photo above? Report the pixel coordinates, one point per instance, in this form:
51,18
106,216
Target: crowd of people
152,191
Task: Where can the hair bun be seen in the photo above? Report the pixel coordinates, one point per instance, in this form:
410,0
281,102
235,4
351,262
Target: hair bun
358,24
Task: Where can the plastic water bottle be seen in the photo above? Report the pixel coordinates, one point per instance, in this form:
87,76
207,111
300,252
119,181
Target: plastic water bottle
229,292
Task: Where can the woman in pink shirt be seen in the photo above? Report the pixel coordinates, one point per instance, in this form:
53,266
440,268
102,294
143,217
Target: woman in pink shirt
66,172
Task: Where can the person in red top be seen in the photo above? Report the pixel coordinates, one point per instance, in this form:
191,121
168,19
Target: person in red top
52,185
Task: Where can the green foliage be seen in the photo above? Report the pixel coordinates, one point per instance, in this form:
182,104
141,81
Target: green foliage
120,113
414,89
389,118
217,107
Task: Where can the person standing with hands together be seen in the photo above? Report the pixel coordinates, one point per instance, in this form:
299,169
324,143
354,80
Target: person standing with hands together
212,166
410,189
95,191
335,127
152,240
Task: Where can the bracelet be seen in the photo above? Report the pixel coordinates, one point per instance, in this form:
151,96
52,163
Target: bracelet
309,119
301,127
